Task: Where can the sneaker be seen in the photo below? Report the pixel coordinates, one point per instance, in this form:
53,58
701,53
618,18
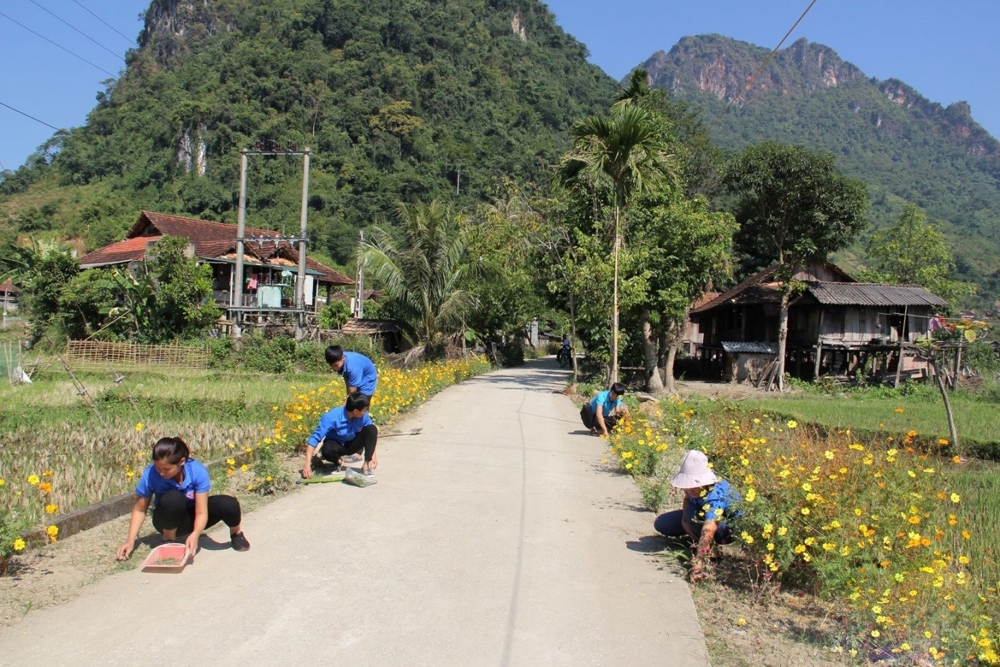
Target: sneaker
240,542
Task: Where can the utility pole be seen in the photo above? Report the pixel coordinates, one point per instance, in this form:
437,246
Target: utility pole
359,299
300,287
236,297
458,180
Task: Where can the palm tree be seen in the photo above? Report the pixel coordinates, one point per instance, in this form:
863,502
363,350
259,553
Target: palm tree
631,150
424,273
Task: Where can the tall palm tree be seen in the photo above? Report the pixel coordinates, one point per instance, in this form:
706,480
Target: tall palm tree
423,273
630,149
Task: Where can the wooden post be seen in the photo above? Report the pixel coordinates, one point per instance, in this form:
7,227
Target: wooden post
902,338
958,364
819,345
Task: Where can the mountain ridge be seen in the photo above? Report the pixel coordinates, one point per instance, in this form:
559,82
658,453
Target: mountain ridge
905,146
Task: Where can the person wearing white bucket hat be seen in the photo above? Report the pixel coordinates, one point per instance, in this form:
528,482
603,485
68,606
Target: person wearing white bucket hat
708,502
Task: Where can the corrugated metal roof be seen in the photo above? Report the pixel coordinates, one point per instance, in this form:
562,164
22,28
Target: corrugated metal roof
871,294
749,347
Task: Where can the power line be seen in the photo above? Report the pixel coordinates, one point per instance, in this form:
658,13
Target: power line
56,45
29,116
762,66
130,41
77,30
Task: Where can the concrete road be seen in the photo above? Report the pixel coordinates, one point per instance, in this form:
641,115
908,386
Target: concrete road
494,537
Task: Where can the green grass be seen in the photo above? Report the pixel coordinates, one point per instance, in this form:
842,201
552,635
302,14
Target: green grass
179,397
976,419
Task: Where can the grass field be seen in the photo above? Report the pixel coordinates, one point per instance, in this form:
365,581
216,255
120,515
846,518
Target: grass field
976,419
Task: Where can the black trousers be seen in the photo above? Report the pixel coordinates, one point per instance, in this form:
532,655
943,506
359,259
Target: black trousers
174,513
589,418
366,439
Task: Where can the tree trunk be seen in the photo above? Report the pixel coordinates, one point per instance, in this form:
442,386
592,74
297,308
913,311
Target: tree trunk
614,307
573,339
947,404
674,337
653,382
782,336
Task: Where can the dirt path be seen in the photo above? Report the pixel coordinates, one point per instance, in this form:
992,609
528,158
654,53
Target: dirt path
493,537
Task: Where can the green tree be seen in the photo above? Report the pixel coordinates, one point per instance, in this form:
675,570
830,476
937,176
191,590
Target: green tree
184,307
689,249
915,252
631,150
793,206
423,273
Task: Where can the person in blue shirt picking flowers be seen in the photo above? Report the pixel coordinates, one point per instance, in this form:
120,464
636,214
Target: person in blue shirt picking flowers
603,411
358,371
344,431
178,487
710,503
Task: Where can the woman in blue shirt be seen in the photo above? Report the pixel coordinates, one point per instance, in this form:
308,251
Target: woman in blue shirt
179,485
603,411
709,502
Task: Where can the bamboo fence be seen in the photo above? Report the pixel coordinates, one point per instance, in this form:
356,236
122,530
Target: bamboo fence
97,355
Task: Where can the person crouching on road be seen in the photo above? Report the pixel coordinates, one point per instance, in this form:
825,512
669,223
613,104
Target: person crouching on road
343,431
179,486
358,371
603,411
709,502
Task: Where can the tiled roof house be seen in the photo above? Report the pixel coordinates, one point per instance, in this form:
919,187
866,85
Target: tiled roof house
267,259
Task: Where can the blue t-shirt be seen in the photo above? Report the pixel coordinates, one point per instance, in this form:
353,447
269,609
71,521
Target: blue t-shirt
194,480
604,398
337,425
719,502
359,371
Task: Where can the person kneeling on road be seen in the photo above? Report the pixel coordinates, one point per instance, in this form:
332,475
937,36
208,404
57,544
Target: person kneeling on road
180,485
603,411
343,431
708,503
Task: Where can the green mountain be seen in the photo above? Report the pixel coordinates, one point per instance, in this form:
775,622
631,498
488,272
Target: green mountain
907,148
398,100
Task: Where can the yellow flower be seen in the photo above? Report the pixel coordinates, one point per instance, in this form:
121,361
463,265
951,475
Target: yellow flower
793,424
231,462
18,544
751,495
782,531
51,508
243,467
741,622
138,427
33,479
45,487
955,498
2,482
52,531
828,454
805,510
268,479
47,473
899,410
875,633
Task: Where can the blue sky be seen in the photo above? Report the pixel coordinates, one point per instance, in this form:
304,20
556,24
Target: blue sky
945,50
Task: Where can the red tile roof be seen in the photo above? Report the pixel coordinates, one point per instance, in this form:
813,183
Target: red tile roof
129,250
211,240
11,288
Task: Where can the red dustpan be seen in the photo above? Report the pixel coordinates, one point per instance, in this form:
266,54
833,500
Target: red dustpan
167,558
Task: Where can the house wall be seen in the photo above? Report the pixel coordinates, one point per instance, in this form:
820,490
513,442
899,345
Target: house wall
856,324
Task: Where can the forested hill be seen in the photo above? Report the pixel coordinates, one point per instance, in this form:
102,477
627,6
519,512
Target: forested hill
398,100
903,145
